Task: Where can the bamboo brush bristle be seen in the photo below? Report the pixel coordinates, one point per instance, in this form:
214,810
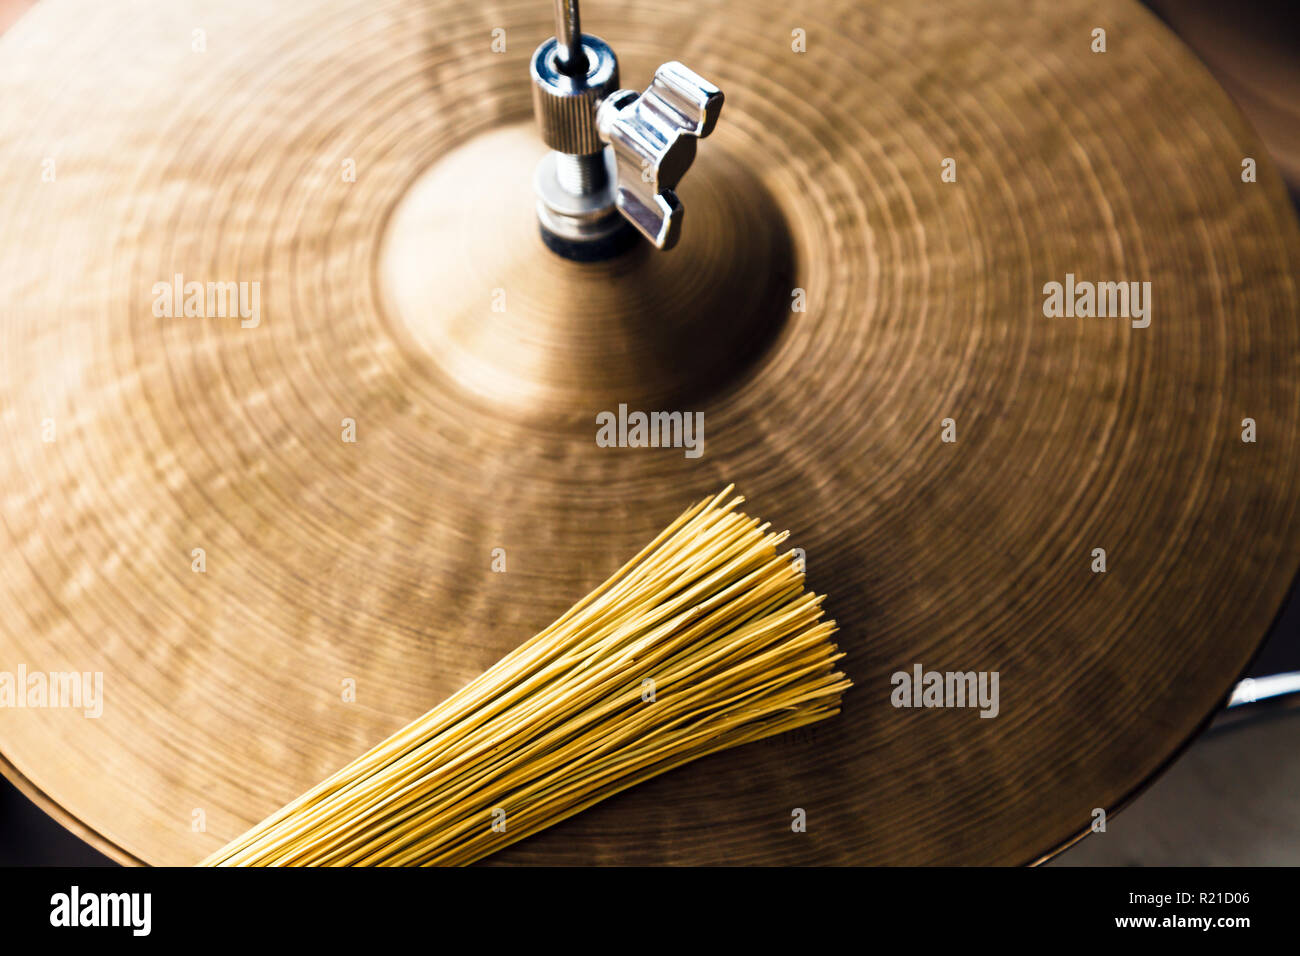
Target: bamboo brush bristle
705,640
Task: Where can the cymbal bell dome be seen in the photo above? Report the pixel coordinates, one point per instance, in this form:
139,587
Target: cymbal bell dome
512,324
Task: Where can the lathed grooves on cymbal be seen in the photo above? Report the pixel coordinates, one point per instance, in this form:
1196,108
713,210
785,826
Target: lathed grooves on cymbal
329,561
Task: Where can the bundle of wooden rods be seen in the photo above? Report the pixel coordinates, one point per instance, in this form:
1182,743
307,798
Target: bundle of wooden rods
705,640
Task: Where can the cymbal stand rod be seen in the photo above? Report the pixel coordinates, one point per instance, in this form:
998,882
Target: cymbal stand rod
568,34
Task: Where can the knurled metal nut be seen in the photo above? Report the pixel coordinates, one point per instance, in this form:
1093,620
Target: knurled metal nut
565,106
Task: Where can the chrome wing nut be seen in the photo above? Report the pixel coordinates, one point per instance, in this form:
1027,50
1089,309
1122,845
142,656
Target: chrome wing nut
653,135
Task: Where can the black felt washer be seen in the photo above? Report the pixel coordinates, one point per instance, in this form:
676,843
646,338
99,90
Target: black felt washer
595,250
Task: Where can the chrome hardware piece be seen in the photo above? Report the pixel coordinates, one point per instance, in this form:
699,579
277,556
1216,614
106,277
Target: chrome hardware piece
616,155
653,136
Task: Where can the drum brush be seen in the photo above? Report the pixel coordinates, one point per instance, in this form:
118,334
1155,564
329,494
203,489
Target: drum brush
705,640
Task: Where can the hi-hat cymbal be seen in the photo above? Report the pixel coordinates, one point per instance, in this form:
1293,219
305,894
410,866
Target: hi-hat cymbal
415,299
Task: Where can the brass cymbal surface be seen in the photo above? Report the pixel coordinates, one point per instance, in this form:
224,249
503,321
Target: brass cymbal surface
833,301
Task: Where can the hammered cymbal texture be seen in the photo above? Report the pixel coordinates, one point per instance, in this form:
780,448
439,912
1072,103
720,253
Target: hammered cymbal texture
473,364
